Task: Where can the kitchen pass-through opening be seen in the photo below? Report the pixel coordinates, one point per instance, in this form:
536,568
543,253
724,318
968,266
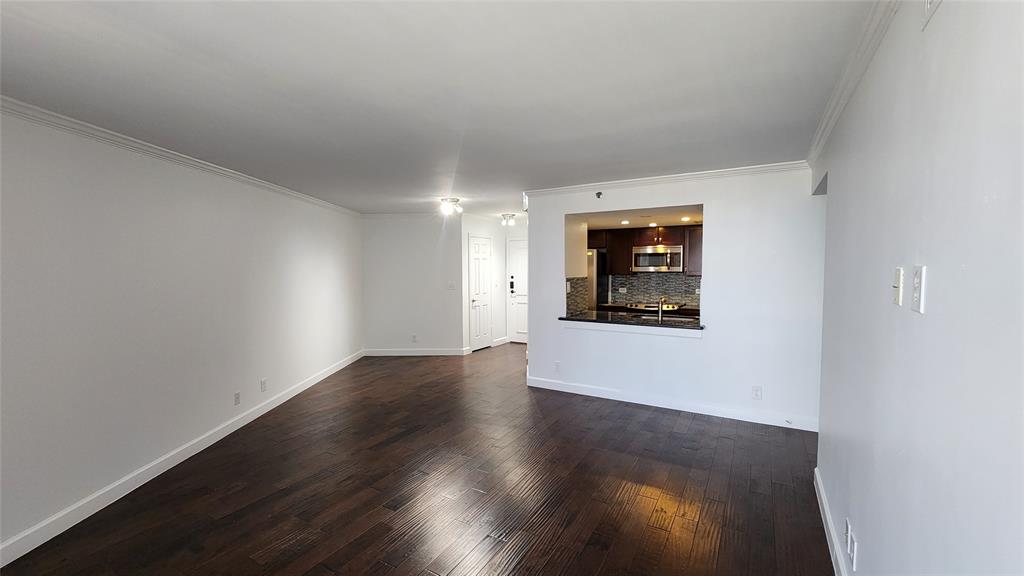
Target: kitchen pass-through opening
640,264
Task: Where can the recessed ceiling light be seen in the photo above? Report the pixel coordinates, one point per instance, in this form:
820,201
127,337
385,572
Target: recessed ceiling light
624,222
653,224
685,218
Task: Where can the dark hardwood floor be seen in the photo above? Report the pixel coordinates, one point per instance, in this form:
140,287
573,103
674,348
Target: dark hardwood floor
437,466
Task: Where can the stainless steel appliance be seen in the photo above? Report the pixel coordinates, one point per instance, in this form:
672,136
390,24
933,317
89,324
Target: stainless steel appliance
657,259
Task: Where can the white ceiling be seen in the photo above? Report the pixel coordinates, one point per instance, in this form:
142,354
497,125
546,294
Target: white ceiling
384,107
668,216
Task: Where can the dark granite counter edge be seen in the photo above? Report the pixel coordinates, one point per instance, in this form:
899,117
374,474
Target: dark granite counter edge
628,322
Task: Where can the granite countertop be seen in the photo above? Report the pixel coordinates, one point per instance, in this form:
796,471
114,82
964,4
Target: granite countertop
634,319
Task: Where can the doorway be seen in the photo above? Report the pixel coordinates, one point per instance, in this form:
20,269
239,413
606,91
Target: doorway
518,289
480,280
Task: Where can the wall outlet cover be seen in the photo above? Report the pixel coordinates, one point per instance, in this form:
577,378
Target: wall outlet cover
238,398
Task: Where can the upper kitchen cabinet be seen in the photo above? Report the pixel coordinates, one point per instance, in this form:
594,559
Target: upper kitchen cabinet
672,235
597,239
646,236
694,250
620,251
659,236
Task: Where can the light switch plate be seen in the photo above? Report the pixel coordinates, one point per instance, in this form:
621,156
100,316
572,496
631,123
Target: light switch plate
897,287
920,283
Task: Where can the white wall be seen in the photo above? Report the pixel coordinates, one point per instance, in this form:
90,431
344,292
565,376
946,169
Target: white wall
760,300
490,227
412,284
575,247
138,295
922,416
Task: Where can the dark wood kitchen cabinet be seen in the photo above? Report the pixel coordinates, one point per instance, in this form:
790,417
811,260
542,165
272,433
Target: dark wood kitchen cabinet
659,236
645,236
694,250
673,235
619,245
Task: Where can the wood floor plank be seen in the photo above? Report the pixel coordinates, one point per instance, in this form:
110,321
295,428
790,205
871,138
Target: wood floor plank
452,465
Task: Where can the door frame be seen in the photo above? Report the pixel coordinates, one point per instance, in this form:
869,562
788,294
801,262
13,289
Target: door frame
490,289
508,296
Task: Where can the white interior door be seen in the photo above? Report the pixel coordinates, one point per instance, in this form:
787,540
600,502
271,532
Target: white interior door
480,292
519,297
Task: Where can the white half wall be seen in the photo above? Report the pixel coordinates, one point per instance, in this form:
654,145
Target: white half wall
139,295
412,285
760,300
921,438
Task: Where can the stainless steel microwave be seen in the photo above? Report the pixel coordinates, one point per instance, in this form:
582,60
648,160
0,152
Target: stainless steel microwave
657,259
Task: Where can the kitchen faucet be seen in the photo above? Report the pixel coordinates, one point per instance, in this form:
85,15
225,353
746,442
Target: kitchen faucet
661,307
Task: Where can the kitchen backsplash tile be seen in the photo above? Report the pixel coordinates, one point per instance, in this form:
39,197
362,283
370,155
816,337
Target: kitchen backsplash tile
646,287
577,298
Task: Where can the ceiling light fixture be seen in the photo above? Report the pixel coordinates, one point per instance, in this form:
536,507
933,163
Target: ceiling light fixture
450,205
653,224
624,222
685,218
508,219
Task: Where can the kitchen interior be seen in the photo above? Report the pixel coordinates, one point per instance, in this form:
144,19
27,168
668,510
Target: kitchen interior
643,267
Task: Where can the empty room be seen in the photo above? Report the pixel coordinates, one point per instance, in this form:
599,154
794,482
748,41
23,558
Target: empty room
726,288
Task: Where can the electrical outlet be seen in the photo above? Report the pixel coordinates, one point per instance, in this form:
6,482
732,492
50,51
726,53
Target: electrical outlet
238,398
917,299
622,290
413,337
757,392
568,287
558,367
697,291
263,384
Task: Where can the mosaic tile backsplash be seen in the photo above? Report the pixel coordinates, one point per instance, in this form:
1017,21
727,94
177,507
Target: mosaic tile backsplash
576,300
648,287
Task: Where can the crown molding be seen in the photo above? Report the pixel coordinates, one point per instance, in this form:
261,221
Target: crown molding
671,178
875,27
45,117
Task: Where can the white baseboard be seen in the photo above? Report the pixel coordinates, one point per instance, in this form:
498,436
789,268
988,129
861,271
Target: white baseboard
500,341
835,544
758,416
416,351
26,540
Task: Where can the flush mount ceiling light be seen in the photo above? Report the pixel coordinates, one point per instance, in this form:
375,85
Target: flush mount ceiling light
508,219
685,218
624,222
450,205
